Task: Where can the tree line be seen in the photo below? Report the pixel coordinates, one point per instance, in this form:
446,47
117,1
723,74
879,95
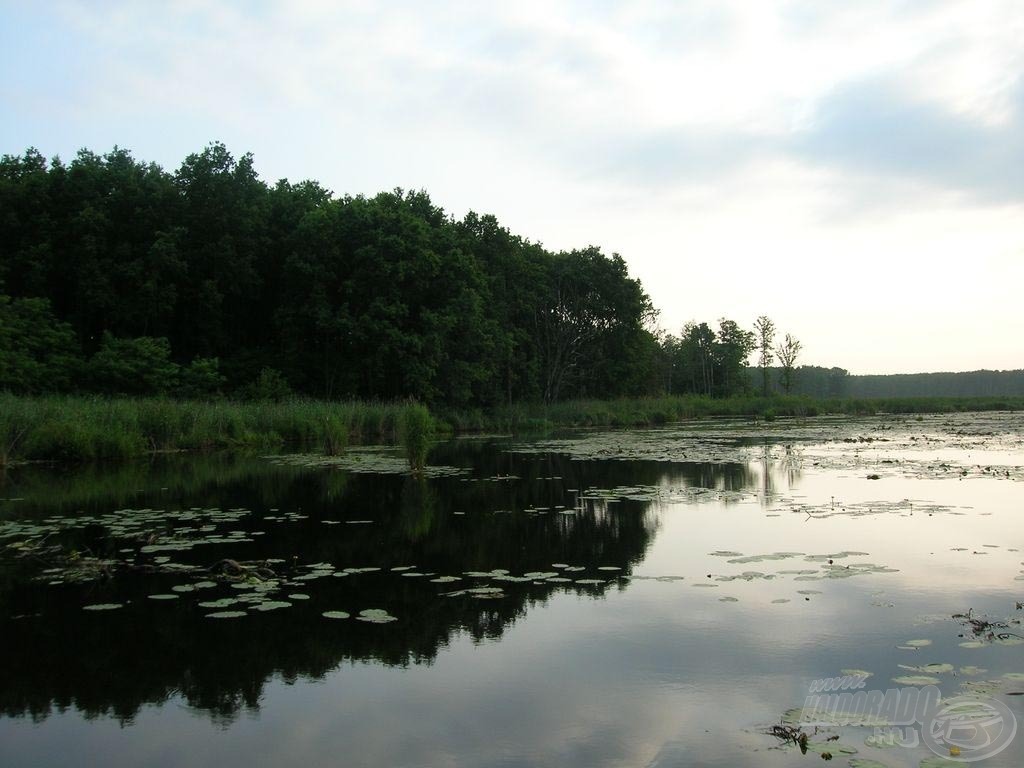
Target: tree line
816,381
119,277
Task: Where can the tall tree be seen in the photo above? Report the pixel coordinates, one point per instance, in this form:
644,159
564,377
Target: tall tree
733,347
764,335
787,351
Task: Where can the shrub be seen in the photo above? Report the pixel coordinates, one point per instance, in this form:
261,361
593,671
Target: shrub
416,429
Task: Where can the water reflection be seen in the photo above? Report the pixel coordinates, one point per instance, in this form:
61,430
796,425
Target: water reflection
115,662
632,665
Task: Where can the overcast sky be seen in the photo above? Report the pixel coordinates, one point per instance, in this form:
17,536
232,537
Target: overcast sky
855,170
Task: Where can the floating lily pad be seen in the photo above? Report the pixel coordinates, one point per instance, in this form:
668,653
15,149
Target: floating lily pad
1008,640
335,615
222,603
102,606
916,680
972,670
375,616
164,596
930,669
226,615
271,605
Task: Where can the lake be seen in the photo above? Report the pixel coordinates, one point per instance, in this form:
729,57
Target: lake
658,597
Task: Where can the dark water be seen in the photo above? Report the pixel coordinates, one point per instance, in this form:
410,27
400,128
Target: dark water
667,641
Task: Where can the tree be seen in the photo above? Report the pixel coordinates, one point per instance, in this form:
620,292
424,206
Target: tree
764,335
139,366
732,348
787,352
588,307
38,353
697,351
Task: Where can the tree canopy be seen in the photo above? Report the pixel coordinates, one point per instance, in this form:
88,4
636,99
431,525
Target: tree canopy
117,276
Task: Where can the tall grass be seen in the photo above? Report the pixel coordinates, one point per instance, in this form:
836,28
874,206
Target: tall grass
416,430
85,428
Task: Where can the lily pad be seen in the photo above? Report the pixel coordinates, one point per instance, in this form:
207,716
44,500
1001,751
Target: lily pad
335,615
102,606
271,605
375,616
916,680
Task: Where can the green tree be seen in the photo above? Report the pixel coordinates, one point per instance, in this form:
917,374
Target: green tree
38,353
764,337
700,351
733,347
787,351
139,366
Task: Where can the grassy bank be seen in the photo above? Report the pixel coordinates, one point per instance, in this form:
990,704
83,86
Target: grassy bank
84,428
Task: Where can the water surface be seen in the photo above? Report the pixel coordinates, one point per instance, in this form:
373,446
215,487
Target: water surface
607,598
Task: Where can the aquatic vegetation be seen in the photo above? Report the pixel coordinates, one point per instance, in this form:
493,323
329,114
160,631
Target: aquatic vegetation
363,460
375,616
415,432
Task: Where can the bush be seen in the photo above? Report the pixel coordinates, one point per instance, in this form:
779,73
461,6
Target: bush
269,385
201,379
416,430
140,366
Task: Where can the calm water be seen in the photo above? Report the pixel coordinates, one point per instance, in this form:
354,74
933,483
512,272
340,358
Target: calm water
640,598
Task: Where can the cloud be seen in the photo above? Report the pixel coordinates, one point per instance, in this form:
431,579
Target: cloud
873,127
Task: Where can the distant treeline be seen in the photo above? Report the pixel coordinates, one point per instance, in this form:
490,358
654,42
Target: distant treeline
815,381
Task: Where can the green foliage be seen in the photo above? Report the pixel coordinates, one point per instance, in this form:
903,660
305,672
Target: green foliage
133,366
705,362
38,353
200,379
18,415
416,430
351,297
270,385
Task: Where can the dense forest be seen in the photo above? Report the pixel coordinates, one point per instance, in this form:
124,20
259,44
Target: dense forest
119,277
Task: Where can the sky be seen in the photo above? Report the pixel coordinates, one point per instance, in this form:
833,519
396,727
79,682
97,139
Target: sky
854,170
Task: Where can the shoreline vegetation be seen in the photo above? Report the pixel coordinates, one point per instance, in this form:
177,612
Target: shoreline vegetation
81,428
